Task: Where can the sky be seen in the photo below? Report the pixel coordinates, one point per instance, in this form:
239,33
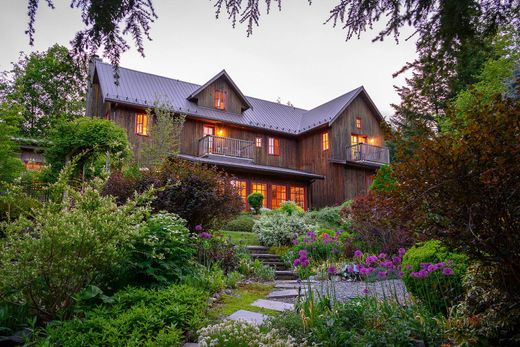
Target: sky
292,55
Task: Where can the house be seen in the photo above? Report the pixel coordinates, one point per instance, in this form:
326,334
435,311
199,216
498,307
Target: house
319,157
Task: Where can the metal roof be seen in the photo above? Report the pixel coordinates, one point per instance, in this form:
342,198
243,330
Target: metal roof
144,89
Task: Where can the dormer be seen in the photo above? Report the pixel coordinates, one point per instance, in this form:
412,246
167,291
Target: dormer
221,93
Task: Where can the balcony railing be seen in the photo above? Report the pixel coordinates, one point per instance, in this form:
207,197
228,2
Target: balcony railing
226,146
365,153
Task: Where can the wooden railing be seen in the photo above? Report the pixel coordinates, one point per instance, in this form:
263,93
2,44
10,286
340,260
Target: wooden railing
365,153
226,146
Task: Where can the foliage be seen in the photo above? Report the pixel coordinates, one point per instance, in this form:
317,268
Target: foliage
434,275
162,252
262,271
13,317
200,194
255,200
290,208
488,311
244,222
89,138
319,246
233,278
241,299
239,333
46,87
327,217
164,140
210,279
240,238
64,247
138,317
279,229
364,322
215,250
384,182
10,165
373,225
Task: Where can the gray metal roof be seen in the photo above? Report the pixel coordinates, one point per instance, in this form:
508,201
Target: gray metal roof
143,89
253,167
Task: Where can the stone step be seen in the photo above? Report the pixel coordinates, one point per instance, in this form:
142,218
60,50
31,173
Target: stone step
286,293
274,263
257,249
248,316
273,305
265,256
285,275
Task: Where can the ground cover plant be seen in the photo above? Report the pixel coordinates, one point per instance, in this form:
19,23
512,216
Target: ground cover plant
243,222
240,238
277,228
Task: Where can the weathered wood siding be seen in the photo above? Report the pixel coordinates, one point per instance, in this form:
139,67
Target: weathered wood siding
233,103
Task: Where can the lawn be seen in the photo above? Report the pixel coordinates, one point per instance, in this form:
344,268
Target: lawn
241,299
241,238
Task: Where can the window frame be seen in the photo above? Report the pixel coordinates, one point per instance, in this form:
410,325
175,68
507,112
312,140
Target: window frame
325,141
274,147
274,197
219,99
141,124
241,186
258,142
265,192
303,195
360,125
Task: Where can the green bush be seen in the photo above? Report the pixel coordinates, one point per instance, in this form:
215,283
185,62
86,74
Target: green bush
211,279
162,252
290,208
233,278
327,217
384,182
262,271
138,317
244,222
64,247
279,229
255,201
427,275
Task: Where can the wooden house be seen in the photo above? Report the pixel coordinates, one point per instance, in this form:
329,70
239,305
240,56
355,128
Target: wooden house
318,157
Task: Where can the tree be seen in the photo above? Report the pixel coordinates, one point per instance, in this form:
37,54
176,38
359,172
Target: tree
165,131
10,165
255,200
94,141
45,87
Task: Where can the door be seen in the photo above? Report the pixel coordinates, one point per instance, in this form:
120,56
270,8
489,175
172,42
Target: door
357,151
209,130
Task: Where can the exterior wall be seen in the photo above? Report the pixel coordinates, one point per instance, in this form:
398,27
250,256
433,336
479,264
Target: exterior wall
232,101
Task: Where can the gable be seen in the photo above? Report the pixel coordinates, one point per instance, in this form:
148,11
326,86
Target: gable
232,101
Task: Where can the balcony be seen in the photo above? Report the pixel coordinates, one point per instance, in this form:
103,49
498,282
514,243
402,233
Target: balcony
242,150
363,153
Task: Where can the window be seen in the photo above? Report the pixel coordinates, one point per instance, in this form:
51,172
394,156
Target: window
241,187
33,165
218,98
325,141
358,122
298,196
258,142
141,124
208,143
274,146
355,139
260,188
278,195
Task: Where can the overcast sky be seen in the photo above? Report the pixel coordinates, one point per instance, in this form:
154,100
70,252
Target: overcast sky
292,55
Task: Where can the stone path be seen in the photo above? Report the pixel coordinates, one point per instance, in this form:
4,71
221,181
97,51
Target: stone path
248,316
273,305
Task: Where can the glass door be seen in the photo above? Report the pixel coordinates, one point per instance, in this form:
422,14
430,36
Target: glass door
209,130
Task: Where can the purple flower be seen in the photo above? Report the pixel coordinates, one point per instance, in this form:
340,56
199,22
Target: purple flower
450,262
408,266
296,262
365,291
334,250
331,269
447,271
363,270
205,235
425,265
382,255
295,242
358,254
304,262
381,274
402,251
371,259
387,264
432,268
350,268
396,260
303,253
198,227
401,274
441,264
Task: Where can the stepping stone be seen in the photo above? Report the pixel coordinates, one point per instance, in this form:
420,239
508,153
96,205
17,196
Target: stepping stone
287,293
248,316
191,344
273,305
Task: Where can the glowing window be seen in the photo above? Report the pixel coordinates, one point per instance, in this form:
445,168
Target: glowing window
141,124
274,146
218,98
260,188
241,187
358,122
325,141
258,142
33,165
297,194
278,195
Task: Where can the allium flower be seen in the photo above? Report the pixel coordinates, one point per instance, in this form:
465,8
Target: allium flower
447,271
332,269
371,259
303,253
408,266
295,242
382,255
381,274
205,235
365,291
401,274
425,265
401,251
396,260
296,262
198,227
358,254
304,262
387,264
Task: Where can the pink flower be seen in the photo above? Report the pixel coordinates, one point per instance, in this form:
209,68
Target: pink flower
358,254
447,271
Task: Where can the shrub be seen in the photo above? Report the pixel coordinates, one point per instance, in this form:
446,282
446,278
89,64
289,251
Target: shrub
138,317
162,252
216,250
233,278
320,246
239,333
384,181
66,246
210,279
255,200
262,271
279,229
327,217
290,208
244,222
434,275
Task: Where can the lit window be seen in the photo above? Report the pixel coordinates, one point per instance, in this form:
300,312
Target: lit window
258,142
358,122
241,187
325,141
33,165
141,124
274,146
355,139
298,196
278,195
262,189
218,97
